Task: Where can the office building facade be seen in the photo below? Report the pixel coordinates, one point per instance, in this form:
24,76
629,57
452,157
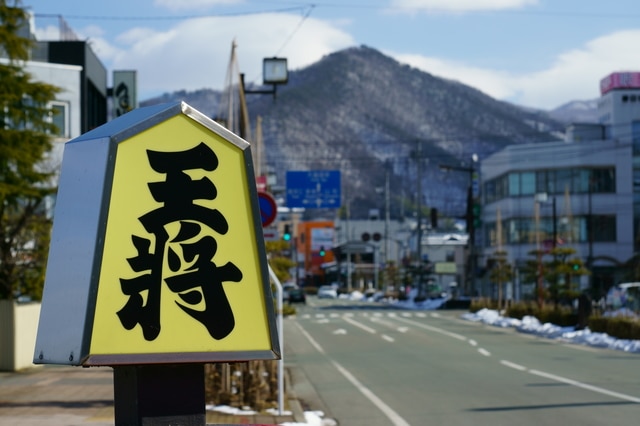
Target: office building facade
579,193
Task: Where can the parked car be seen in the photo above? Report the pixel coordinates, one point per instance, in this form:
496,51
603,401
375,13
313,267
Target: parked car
327,292
296,295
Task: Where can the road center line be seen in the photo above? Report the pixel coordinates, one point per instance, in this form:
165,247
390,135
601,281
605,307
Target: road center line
571,382
395,418
484,352
513,365
585,386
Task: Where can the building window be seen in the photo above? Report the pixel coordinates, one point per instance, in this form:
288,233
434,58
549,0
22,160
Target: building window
514,184
528,183
60,118
603,180
567,232
604,228
558,181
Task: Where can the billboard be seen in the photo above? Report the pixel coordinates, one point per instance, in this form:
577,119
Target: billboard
124,92
620,80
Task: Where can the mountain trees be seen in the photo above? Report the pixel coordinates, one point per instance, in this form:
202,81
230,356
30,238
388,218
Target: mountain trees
25,183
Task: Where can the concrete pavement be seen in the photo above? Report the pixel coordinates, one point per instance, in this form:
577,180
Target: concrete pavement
74,396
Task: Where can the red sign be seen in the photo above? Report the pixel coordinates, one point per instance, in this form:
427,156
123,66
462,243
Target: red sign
261,183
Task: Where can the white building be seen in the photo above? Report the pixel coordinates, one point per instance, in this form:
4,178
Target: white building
583,190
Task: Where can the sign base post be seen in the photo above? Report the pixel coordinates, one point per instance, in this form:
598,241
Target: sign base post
161,394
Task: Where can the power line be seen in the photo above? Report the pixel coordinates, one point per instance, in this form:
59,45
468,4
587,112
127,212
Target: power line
171,17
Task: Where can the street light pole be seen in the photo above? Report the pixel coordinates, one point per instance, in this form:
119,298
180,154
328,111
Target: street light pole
419,217
471,264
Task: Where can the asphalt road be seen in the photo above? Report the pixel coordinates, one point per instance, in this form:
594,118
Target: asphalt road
371,366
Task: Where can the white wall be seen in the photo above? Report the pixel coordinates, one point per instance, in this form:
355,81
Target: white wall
18,329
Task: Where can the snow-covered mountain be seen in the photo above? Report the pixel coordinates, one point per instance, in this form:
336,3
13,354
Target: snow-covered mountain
364,113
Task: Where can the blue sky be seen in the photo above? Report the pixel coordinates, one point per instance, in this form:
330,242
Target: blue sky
535,53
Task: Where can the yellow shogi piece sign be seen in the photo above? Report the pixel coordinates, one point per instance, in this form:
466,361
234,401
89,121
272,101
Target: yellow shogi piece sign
157,253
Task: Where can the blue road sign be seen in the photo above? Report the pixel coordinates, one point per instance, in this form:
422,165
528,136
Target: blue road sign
315,189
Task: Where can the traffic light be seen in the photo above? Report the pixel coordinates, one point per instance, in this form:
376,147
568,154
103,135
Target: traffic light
322,251
576,266
287,233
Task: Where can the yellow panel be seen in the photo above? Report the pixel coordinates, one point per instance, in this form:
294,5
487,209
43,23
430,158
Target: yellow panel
165,327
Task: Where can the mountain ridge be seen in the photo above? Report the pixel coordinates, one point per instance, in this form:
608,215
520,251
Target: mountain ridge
367,115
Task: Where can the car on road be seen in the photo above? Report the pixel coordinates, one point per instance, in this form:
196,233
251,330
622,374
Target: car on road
327,292
296,295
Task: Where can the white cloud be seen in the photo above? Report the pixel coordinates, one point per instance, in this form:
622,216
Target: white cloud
195,54
575,74
494,83
579,71
459,6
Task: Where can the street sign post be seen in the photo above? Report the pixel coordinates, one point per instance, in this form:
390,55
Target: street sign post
157,262
313,189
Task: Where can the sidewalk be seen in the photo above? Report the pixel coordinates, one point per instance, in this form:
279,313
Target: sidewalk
74,396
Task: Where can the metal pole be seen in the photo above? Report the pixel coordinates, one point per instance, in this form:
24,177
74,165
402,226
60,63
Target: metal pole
276,281
375,266
387,218
419,218
555,226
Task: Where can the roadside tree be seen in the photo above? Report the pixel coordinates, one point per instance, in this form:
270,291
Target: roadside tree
501,273
25,182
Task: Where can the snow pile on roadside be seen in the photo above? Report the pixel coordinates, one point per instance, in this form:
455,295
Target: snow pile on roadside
312,418
230,410
531,325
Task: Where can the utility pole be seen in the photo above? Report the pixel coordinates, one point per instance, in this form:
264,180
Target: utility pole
470,219
419,216
387,218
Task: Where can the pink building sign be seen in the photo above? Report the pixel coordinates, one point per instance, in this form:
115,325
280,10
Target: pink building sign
620,80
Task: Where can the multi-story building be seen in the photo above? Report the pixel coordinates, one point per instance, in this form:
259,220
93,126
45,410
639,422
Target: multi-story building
578,193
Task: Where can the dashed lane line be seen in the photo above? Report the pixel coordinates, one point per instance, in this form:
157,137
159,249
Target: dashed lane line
394,418
571,382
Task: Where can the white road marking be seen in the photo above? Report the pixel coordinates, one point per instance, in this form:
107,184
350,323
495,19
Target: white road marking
357,324
388,338
395,418
484,352
585,386
340,331
473,342
435,329
571,382
512,365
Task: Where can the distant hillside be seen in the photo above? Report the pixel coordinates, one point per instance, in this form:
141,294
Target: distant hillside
577,112
362,112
